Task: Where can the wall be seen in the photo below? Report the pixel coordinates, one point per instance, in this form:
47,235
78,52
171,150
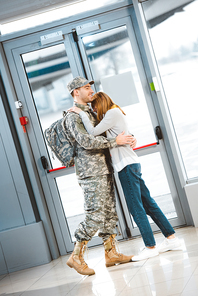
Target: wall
192,196
16,209
23,242
23,247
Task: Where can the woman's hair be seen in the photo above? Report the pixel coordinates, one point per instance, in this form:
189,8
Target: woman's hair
103,103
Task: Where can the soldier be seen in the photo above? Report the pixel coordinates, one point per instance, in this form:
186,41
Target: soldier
95,176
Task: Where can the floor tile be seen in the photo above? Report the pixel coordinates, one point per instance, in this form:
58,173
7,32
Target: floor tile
171,287
17,287
190,293
110,288
196,270
140,291
11,294
192,284
2,276
172,273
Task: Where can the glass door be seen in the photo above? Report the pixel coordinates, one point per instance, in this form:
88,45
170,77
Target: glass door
177,60
48,71
113,61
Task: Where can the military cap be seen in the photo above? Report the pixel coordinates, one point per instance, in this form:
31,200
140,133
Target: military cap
78,82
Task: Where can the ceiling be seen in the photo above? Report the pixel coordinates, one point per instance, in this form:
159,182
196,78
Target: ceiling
11,10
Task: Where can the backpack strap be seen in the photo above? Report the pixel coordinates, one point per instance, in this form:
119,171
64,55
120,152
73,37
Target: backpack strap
72,143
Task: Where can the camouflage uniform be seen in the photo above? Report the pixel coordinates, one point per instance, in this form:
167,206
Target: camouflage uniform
95,176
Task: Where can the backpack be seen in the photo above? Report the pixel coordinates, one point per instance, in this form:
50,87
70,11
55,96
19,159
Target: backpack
59,142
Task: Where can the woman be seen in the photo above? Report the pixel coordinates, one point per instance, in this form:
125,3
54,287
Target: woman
112,120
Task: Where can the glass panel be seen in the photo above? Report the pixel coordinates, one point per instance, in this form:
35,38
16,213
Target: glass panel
177,57
156,181
119,78
72,201
48,72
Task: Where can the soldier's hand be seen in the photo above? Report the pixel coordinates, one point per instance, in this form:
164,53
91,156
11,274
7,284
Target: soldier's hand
134,143
122,139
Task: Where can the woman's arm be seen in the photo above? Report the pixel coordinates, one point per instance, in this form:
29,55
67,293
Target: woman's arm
88,141
106,123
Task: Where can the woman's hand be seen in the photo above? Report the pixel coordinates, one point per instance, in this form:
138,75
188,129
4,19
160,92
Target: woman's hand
74,109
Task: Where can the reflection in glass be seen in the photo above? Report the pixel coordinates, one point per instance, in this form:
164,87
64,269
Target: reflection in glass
174,35
72,201
114,70
48,72
155,179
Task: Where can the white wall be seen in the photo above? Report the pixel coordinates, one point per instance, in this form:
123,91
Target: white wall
192,196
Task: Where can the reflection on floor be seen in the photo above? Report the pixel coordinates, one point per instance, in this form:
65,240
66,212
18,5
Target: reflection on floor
171,273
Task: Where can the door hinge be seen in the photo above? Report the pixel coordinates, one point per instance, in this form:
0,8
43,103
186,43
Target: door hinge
118,230
18,105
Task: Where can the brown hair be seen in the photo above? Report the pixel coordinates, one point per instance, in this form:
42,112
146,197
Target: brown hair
103,103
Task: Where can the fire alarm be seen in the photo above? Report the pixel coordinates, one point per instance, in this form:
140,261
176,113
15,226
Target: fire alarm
24,121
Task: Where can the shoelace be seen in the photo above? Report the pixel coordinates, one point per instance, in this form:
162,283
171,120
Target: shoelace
115,246
81,256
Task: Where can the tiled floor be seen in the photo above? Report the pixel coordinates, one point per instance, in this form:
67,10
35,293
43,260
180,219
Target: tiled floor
171,273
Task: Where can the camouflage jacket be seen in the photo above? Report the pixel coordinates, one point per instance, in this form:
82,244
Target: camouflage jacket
92,153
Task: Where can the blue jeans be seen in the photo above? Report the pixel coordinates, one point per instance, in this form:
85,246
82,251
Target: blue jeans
141,204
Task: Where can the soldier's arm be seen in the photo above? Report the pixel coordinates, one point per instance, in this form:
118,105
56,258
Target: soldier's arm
75,126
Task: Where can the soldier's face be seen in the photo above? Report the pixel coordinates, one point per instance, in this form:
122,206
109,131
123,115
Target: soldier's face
85,94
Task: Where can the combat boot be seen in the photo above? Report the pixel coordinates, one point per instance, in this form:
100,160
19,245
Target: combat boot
76,260
112,257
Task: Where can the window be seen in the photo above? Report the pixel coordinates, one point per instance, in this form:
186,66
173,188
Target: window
174,36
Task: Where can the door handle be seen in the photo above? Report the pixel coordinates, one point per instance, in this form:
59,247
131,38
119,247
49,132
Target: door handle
158,133
44,162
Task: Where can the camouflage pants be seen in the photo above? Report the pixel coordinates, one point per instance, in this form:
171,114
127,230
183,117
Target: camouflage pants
100,208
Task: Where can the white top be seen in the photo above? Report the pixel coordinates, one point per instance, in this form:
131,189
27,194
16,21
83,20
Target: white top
113,123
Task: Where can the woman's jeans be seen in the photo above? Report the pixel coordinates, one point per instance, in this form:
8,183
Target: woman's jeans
141,204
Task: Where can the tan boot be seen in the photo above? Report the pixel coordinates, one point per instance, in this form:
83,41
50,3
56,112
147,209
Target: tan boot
112,257
76,260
